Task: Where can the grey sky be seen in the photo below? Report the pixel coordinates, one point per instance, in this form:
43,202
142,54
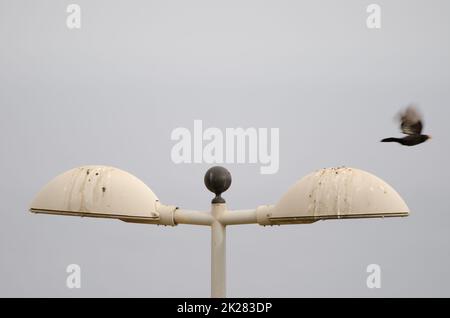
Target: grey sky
112,92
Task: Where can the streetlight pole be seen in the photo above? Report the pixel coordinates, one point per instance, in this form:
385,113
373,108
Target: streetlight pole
218,180
218,252
332,193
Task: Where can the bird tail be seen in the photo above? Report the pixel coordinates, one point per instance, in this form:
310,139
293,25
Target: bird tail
392,139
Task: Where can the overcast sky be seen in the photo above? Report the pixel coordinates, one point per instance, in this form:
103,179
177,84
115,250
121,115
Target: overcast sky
112,92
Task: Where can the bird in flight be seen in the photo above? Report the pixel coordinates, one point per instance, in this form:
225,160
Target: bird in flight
411,124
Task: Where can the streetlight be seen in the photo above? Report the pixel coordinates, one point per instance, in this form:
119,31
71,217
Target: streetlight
107,192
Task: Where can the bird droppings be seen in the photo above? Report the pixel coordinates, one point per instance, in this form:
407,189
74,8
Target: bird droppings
87,172
331,182
103,189
335,193
96,174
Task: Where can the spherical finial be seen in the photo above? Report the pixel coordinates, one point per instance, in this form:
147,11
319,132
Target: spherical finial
218,180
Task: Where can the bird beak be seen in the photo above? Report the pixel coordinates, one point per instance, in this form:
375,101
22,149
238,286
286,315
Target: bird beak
430,137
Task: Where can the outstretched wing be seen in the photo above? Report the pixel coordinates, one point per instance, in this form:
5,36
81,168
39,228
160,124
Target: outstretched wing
411,121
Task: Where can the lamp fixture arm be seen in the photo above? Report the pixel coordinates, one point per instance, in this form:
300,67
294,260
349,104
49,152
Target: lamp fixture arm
192,217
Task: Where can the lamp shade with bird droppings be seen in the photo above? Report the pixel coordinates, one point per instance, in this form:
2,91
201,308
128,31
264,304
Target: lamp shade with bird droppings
103,192
335,193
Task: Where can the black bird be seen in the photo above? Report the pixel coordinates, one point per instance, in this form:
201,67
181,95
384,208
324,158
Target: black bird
411,125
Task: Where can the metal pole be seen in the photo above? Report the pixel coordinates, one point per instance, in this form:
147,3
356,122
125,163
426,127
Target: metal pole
192,217
218,252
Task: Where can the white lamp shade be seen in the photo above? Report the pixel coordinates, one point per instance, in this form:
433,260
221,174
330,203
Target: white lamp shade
99,191
335,193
